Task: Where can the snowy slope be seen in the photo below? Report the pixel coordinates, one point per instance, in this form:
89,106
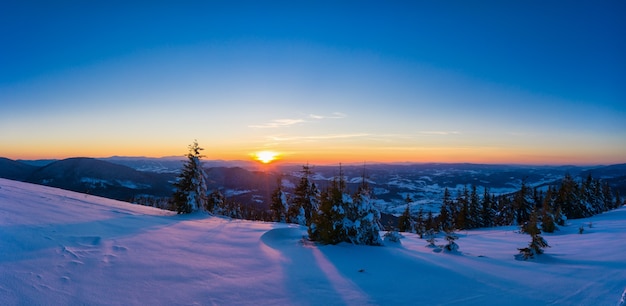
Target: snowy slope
64,248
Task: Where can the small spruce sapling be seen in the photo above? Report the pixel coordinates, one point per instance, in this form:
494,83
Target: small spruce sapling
430,234
451,246
392,236
537,243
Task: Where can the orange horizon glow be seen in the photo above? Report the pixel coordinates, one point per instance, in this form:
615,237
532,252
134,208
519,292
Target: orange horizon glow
371,156
266,157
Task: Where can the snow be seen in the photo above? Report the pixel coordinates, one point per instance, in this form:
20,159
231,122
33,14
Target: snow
234,192
60,247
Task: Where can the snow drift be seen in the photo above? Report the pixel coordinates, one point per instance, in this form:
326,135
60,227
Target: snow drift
60,247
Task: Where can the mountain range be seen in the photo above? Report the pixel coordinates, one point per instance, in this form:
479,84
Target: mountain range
125,178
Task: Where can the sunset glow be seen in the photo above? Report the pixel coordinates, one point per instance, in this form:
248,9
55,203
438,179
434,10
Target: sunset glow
333,86
266,157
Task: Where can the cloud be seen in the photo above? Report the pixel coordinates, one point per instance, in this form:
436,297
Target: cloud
278,123
317,137
335,115
440,133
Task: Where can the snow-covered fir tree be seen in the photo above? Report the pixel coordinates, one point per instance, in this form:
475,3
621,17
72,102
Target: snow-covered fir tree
191,189
363,220
327,222
305,199
279,204
451,246
216,202
345,218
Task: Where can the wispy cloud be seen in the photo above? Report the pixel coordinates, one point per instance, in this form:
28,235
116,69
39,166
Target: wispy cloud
317,137
278,123
335,115
440,132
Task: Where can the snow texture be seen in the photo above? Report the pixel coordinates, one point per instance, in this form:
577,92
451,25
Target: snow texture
64,248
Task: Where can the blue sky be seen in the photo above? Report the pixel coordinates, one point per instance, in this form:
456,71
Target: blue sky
496,82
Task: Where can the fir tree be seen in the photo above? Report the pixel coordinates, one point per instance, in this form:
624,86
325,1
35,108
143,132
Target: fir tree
537,243
342,218
568,198
474,219
364,227
431,223
279,205
548,223
607,196
191,190
487,213
305,199
523,204
430,237
446,213
327,222
451,246
505,213
420,223
405,221
216,203
462,217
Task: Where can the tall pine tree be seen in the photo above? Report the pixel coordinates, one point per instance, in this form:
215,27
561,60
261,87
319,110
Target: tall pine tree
279,205
327,222
405,221
191,189
305,199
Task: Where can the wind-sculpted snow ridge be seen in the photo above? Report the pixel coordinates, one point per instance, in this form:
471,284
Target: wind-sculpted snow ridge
66,248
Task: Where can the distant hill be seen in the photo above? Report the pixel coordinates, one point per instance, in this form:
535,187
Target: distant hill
172,164
15,170
606,171
92,176
123,178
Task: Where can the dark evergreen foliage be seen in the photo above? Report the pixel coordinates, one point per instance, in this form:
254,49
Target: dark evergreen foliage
447,213
305,199
215,202
405,221
451,246
279,204
326,225
523,204
569,200
537,243
548,223
191,190
345,218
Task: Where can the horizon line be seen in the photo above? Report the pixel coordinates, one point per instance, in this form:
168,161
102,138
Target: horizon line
289,163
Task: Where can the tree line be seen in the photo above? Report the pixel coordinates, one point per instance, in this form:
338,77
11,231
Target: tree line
532,209
470,209
334,214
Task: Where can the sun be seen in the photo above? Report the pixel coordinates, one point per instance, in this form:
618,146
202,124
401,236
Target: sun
266,157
